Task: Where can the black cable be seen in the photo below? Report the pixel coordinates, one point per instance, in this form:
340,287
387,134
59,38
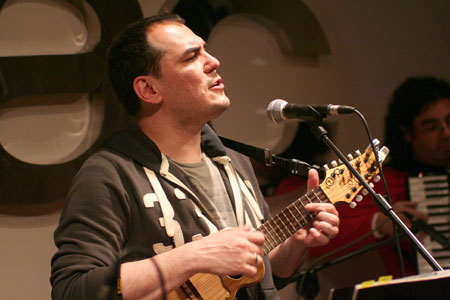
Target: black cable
388,196
323,257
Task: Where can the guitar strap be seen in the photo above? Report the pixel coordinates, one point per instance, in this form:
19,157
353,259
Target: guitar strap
239,189
265,156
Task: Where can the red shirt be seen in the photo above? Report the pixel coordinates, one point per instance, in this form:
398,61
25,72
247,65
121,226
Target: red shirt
355,222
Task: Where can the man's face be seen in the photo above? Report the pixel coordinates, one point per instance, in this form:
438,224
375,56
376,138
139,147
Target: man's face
430,135
191,89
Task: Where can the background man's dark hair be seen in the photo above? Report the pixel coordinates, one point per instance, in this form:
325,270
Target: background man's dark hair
131,55
407,102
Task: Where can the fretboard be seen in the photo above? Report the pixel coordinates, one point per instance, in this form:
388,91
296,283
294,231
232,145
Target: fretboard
290,220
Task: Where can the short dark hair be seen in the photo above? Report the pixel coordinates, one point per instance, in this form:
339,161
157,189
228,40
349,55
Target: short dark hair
131,54
407,102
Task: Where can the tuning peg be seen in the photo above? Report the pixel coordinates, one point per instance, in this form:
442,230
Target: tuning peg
350,157
352,204
358,198
334,164
325,166
371,184
384,151
376,142
365,192
340,161
358,153
377,178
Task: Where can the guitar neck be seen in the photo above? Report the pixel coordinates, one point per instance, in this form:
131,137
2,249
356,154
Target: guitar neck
290,220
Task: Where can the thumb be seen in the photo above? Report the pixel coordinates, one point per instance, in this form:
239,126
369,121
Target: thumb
313,179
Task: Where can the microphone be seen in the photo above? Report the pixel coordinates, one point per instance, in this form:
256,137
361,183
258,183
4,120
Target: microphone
279,110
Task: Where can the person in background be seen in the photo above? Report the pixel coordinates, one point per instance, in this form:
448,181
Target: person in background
417,132
163,199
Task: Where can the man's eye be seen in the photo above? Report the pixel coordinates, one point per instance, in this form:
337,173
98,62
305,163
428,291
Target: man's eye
431,127
192,57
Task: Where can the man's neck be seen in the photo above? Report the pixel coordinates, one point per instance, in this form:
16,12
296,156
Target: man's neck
183,145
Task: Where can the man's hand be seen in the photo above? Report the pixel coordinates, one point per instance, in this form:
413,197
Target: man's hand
326,224
233,251
289,255
324,227
400,208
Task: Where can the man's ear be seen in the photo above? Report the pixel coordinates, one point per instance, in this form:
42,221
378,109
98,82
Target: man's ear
407,134
146,89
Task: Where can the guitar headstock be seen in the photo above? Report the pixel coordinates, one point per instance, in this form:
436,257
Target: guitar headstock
340,185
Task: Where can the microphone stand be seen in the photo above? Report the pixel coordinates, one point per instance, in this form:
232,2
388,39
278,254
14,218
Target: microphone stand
315,124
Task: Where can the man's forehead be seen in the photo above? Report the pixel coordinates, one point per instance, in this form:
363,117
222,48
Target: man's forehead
173,36
435,110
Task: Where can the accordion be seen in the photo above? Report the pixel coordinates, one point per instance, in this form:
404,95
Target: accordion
432,195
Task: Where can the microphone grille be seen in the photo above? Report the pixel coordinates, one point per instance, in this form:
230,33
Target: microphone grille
275,110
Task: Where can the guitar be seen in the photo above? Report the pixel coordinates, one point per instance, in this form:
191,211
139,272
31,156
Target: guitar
339,185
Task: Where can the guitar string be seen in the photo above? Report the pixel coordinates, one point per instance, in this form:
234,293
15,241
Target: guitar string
274,226
300,212
298,222
266,232
273,229
293,219
280,228
286,228
309,216
288,215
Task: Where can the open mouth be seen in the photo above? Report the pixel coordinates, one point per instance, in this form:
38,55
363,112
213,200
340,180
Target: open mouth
217,83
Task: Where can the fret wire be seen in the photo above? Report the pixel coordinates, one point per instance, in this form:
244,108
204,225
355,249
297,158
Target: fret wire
281,230
308,197
309,216
273,230
298,222
264,230
314,192
268,236
300,212
266,245
290,223
276,230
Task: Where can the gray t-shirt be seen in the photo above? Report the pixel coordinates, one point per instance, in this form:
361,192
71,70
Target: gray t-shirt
205,180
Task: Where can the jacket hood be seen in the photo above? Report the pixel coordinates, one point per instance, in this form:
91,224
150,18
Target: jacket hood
132,142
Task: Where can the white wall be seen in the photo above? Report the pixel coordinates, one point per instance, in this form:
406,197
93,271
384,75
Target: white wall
26,247
374,45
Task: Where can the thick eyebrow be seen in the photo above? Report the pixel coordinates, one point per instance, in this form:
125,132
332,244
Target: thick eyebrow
193,49
429,121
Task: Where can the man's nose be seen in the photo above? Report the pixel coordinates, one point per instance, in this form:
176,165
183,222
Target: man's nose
445,129
211,64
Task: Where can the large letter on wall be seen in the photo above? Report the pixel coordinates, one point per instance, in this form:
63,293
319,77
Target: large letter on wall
54,107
